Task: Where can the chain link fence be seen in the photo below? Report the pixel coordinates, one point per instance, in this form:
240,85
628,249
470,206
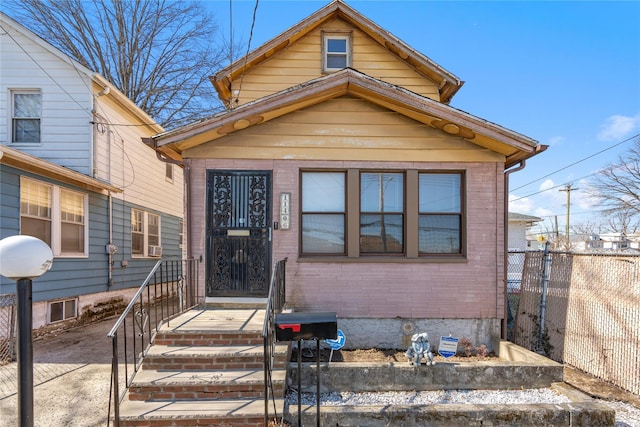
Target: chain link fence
579,309
7,328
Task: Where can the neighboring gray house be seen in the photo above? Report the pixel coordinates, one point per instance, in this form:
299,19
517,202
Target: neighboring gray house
518,225
74,173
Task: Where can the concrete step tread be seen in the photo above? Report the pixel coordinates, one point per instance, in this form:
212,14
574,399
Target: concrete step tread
150,377
212,351
176,409
219,320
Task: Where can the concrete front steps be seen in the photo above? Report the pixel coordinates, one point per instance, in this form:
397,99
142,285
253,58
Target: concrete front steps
515,369
205,368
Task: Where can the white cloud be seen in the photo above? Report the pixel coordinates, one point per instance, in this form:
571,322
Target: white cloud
556,140
543,213
615,128
521,205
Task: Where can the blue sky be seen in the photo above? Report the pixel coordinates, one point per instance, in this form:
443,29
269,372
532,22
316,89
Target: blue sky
564,73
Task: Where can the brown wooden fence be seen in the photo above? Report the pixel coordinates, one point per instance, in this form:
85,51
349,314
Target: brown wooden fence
591,313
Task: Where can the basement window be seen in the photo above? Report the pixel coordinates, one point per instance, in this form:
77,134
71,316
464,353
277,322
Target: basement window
336,51
62,310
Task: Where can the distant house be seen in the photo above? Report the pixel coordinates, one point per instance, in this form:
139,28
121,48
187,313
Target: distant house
340,152
74,173
614,241
518,226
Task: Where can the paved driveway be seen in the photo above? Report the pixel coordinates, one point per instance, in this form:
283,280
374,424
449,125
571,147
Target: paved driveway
71,379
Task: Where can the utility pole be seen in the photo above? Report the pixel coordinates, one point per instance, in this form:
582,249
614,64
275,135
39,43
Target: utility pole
569,188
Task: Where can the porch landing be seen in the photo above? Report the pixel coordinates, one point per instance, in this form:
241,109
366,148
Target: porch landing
218,319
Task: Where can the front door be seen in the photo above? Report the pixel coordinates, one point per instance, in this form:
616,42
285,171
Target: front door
238,233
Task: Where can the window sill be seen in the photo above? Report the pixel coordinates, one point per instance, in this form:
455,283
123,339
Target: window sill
68,256
454,259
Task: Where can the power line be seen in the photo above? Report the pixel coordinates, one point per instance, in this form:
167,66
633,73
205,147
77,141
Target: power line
246,57
554,187
579,161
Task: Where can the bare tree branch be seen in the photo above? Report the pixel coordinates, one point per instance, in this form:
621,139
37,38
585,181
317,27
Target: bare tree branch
159,53
617,187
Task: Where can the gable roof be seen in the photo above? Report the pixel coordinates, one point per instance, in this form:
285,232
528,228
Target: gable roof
514,146
448,83
119,97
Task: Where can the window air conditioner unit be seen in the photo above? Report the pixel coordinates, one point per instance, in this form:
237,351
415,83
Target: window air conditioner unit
155,250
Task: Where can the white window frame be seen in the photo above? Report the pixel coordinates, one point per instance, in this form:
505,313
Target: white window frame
38,118
326,37
65,303
55,219
146,223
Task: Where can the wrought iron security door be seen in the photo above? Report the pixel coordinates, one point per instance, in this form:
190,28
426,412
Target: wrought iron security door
238,233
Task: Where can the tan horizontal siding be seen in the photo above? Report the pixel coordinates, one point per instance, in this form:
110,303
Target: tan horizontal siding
344,128
302,62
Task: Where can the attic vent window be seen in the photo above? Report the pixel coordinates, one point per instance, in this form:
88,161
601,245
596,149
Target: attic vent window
336,51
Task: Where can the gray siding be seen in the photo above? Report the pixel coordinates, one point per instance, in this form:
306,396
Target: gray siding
70,277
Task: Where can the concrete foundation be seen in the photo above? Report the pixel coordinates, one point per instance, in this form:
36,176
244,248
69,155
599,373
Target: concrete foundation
396,332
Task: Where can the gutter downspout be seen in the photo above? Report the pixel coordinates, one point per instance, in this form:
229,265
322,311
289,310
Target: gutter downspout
94,173
505,314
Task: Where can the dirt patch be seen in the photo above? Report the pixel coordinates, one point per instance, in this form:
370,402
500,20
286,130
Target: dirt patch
375,355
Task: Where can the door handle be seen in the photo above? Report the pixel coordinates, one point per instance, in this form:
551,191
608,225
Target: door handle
270,233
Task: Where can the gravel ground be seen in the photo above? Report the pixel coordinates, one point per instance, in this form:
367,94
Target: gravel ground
626,415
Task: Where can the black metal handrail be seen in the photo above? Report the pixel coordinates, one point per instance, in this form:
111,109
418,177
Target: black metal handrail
169,290
275,304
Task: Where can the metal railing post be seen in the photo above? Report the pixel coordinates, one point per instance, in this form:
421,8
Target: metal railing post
542,312
114,378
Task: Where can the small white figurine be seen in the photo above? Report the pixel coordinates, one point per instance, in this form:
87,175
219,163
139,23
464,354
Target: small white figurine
420,347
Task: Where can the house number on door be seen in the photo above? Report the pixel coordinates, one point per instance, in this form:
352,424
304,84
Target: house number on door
285,210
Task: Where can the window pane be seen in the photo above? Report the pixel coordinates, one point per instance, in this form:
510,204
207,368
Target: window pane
35,199
70,309
137,232
35,210
336,61
26,105
137,244
382,233
37,228
56,313
323,233
439,234
323,192
381,192
337,45
439,192
26,130
137,222
154,230
72,239
72,207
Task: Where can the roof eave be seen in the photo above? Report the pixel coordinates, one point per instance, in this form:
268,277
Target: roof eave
38,166
517,147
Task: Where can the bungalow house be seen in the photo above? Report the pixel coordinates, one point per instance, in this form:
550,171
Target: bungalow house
339,151
74,173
